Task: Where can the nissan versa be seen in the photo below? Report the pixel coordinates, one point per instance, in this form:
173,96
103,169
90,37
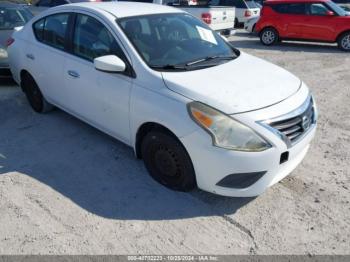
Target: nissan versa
161,81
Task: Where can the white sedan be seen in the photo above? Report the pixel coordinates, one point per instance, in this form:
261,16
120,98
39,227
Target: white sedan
162,82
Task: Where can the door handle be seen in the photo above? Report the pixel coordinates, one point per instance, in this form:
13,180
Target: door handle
30,56
73,74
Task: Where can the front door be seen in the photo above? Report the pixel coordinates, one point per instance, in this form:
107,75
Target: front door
319,23
100,98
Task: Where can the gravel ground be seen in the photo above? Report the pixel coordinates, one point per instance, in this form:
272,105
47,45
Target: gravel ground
66,188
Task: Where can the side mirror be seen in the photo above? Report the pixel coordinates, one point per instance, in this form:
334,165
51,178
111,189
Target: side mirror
330,13
109,63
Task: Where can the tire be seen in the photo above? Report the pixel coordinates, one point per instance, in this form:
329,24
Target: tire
167,161
269,36
34,95
236,23
344,42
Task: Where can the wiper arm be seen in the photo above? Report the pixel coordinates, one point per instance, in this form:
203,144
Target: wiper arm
208,58
169,67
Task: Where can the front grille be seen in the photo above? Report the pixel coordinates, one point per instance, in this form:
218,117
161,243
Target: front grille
294,125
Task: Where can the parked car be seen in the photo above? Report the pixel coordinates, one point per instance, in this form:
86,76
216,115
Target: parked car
312,20
41,5
11,16
245,9
164,83
250,24
219,18
343,3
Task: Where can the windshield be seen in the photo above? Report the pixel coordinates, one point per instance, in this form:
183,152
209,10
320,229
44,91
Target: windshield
340,11
10,17
175,41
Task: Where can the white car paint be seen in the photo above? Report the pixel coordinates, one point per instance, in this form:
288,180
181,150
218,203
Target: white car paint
119,105
249,25
241,14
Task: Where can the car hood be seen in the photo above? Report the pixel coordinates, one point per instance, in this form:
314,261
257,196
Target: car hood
244,84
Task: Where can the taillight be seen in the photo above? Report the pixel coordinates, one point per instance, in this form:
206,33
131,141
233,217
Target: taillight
206,17
10,41
194,2
247,13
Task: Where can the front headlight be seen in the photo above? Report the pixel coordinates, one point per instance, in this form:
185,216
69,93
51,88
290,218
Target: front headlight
3,53
225,131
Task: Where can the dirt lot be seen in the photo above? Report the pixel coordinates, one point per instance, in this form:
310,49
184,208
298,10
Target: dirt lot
66,188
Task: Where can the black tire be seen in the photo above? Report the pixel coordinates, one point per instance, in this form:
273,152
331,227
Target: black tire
344,41
236,23
167,161
34,95
269,36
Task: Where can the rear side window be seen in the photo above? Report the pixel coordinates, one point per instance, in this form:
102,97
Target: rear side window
39,30
293,9
92,39
51,30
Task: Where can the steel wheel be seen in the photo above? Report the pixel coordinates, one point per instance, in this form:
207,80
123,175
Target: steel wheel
167,161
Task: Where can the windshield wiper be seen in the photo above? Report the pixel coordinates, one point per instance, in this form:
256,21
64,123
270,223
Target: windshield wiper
208,58
169,67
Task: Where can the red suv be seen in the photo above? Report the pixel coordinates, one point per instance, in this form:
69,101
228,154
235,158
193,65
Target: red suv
306,20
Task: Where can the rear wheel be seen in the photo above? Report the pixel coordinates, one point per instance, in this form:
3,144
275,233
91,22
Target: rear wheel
167,161
34,95
269,36
344,42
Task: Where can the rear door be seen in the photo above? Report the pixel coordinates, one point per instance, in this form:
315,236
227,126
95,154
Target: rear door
45,57
291,17
319,24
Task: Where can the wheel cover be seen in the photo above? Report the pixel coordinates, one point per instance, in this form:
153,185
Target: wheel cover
268,37
345,42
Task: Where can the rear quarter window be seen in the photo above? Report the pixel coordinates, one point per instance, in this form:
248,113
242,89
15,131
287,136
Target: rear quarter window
51,30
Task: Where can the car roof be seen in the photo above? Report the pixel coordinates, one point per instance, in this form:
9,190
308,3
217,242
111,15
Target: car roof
124,9
293,1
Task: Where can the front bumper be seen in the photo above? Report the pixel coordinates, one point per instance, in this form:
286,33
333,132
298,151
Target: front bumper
213,164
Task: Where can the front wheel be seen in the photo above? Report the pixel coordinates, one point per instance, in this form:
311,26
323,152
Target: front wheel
167,161
269,36
344,42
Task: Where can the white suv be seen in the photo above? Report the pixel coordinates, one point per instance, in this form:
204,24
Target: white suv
165,84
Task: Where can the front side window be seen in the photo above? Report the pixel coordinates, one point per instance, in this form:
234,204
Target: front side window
166,40
51,30
318,9
11,17
92,39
